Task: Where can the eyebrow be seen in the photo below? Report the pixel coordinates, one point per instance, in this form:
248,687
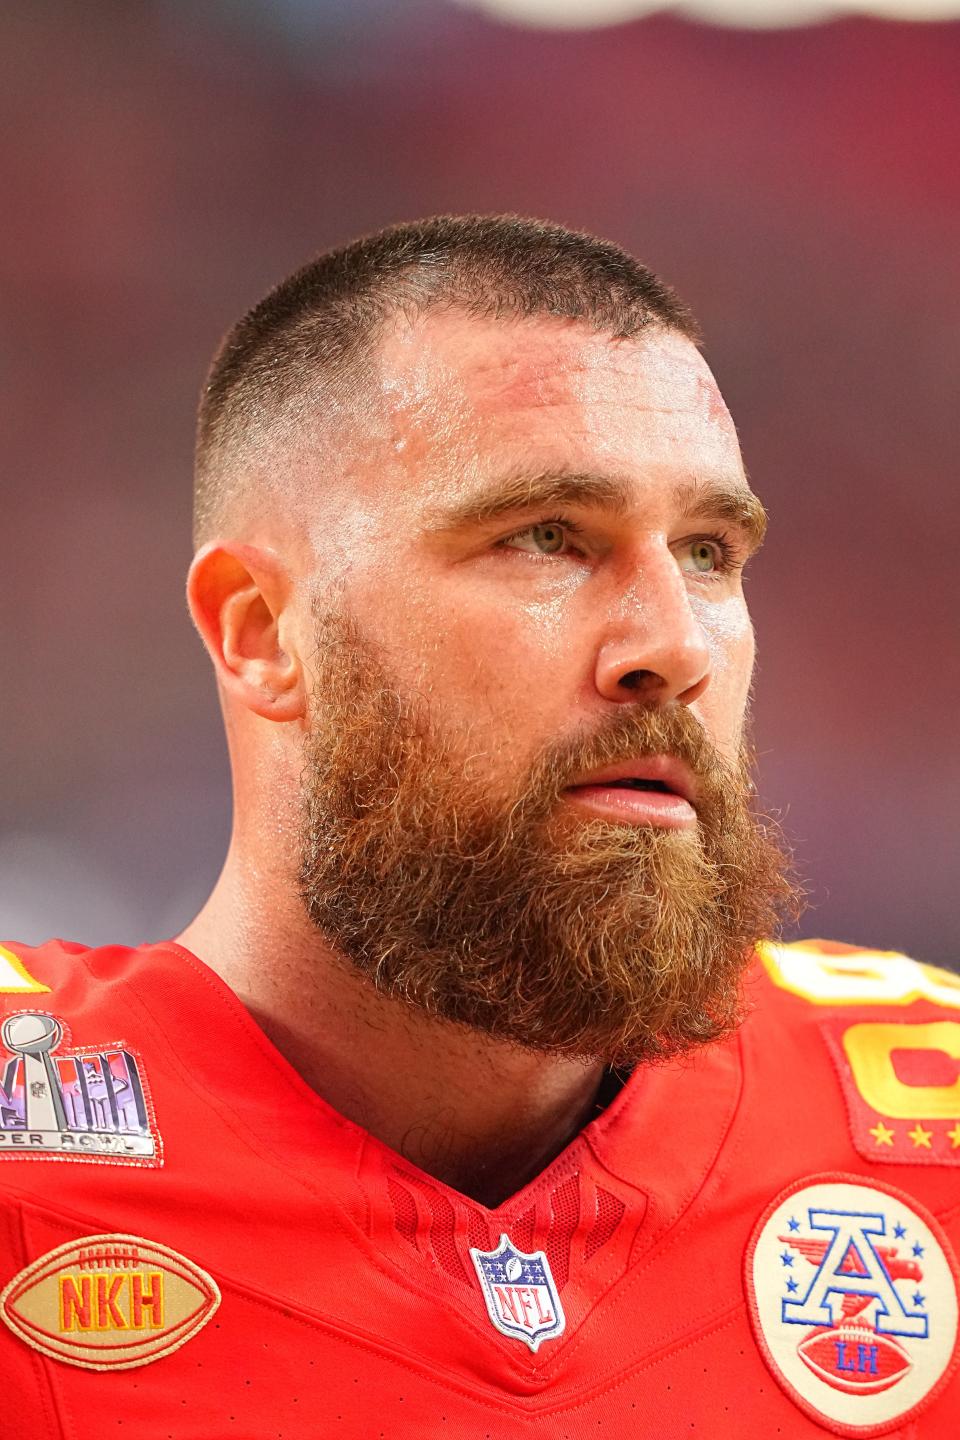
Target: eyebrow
697,499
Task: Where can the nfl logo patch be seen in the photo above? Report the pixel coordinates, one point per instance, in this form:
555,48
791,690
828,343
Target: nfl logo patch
522,1300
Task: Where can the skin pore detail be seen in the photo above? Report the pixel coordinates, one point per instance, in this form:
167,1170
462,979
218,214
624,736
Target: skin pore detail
412,907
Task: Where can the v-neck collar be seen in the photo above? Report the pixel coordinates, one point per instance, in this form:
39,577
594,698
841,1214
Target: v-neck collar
658,1135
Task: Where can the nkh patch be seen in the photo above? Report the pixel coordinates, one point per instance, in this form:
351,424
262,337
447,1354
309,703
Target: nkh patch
521,1296
852,1291
65,1104
109,1302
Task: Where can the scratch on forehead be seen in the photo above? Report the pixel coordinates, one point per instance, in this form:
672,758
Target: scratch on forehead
713,401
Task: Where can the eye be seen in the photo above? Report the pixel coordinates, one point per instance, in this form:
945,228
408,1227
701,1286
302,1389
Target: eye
709,555
703,556
548,536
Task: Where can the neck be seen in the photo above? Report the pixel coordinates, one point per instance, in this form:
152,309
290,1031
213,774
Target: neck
479,1115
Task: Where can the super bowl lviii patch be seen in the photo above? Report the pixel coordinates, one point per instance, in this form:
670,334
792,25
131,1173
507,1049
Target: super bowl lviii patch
852,1290
66,1104
109,1302
520,1293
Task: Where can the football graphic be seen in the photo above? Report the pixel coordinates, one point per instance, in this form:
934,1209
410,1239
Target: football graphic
852,1289
109,1302
854,1358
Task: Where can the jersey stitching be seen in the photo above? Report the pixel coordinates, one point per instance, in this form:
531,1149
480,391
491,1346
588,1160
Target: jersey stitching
665,1352
391,1270
529,1407
46,1380
670,1234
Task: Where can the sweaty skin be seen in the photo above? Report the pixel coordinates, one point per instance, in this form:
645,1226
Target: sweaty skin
515,641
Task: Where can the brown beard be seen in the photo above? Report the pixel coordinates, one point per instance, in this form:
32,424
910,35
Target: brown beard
559,932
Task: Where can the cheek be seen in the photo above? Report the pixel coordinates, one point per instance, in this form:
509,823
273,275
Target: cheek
499,674
516,656
730,638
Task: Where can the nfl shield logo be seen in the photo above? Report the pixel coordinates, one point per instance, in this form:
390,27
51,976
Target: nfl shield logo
522,1300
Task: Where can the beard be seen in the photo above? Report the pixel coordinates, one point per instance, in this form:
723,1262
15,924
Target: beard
562,933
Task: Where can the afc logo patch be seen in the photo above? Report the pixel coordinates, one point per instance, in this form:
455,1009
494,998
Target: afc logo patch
521,1296
852,1292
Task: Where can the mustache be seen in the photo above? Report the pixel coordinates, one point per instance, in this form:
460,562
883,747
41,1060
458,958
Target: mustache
640,734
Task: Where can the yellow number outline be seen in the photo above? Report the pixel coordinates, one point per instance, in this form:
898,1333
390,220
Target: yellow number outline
15,978
857,977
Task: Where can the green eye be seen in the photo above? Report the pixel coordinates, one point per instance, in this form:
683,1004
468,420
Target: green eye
703,556
549,536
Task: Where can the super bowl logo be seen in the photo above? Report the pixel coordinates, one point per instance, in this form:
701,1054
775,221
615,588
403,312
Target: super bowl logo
520,1294
71,1104
853,1299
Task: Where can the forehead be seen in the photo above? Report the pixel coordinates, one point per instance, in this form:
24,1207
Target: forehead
463,399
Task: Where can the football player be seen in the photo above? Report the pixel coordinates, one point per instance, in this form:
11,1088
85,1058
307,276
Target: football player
479,1100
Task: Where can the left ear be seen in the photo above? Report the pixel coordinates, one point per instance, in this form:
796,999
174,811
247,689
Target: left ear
239,597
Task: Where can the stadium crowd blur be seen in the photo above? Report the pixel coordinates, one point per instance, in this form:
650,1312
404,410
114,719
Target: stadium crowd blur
164,163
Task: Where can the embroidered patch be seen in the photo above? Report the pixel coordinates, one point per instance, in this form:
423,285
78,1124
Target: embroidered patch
522,1300
901,1082
64,1104
852,1290
15,978
109,1302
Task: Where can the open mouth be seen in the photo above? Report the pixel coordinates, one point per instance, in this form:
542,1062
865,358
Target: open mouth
633,784
653,801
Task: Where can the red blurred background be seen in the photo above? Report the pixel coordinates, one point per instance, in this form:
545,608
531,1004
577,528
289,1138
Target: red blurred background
164,163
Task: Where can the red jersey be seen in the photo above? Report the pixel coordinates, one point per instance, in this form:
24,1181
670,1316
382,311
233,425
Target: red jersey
755,1241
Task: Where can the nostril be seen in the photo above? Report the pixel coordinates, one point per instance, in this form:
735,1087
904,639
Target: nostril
635,679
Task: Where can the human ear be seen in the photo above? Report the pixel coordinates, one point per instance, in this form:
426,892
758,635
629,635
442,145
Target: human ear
239,597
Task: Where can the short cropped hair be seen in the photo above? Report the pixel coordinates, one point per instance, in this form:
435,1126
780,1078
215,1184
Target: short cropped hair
309,344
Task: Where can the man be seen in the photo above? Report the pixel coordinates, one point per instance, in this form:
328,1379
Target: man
478,1099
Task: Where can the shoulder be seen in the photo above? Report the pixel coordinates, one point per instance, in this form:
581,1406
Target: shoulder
23,967
867,1007
85,988
74,978
874,1029
78,978
108,994
832,974
72,1086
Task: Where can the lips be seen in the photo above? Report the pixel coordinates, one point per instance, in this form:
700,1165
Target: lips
656,773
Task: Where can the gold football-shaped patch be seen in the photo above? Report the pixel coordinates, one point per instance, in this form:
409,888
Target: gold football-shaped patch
109,1302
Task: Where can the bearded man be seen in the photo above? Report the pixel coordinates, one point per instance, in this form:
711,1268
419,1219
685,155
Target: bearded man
479,1099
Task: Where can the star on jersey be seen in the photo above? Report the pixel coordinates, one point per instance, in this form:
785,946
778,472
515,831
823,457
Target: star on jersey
837,1304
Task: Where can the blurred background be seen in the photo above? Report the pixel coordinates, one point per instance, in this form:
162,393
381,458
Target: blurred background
793,171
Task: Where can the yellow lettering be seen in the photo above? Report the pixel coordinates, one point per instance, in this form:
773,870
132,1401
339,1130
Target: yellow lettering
142,1299
75,1304
857,977
15,978
869,1048
109,1317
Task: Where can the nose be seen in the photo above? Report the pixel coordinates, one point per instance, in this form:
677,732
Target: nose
655,648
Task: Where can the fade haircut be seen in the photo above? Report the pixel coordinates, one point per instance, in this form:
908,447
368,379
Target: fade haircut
303,354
